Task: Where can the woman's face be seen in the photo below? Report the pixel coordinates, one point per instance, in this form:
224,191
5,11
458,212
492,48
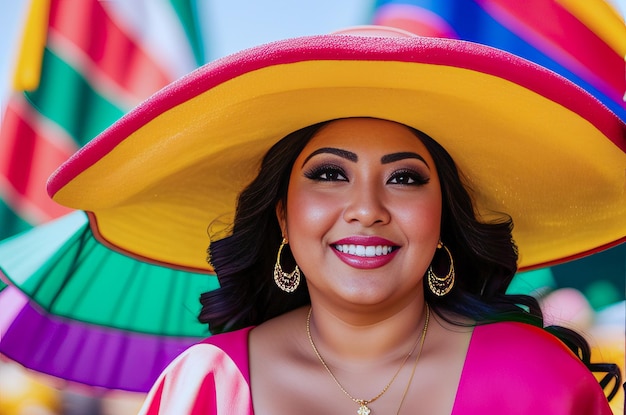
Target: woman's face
363,212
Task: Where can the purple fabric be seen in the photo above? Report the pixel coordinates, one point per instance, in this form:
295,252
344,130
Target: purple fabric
79,352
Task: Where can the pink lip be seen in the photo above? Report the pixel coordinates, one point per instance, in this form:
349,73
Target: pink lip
365,262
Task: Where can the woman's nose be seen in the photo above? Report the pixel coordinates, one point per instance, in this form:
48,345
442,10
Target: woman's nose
366,205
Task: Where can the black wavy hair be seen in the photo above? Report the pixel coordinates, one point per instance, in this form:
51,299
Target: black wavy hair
484,253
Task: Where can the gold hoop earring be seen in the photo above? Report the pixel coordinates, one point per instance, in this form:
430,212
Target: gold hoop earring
288,282
441,286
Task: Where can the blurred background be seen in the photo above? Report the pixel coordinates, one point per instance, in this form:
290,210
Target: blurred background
79,333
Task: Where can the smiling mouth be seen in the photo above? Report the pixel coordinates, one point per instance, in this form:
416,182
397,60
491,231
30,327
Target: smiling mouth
367,251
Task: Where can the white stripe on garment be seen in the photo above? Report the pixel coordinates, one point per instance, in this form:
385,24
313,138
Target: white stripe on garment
155,26
186,374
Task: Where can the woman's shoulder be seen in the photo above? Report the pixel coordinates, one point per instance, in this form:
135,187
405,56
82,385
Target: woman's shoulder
514,337
520,364
209,377
233,344
230,342
524,349
217,352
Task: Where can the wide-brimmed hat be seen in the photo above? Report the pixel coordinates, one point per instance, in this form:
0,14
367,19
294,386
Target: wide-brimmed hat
530,143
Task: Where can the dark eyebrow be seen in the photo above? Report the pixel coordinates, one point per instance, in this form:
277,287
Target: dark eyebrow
390,158
348,155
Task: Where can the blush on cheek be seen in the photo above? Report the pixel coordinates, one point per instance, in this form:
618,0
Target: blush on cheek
311,210
422,218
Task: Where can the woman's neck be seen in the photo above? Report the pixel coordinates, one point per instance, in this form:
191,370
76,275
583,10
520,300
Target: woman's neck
367,334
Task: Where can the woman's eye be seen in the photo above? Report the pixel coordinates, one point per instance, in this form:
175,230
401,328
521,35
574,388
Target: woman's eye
408,178
326,174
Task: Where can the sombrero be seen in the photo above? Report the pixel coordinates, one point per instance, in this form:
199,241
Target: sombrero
532,144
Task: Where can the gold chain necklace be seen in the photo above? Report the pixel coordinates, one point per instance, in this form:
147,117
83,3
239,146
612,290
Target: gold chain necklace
417,358
363,408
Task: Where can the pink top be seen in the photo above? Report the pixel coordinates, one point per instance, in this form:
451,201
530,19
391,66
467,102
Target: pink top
510,368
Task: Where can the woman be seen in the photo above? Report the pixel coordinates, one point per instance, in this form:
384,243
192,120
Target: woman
358,275
373,184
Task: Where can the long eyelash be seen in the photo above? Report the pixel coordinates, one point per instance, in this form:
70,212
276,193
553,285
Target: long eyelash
419,178
316,172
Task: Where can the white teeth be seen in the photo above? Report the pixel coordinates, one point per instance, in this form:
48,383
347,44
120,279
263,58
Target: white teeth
364,251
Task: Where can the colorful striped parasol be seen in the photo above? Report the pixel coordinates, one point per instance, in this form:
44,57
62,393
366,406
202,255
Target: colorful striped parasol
77,310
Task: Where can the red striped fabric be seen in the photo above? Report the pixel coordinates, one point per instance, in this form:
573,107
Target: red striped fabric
565,38
31,151
87,25
85,35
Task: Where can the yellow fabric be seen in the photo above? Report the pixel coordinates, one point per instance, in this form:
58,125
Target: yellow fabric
156,193
28,70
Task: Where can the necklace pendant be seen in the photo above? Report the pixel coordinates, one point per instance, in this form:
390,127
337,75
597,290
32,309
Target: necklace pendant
363,410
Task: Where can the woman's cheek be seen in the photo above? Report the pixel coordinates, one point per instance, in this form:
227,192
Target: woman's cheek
312,210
